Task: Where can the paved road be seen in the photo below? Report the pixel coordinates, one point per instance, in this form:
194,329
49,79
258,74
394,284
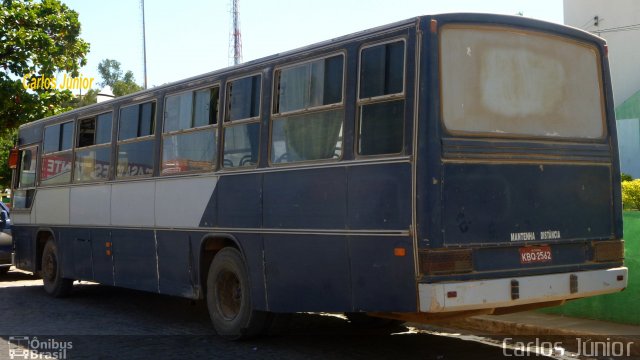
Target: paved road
100,322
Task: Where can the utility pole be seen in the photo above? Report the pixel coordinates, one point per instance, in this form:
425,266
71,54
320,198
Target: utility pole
144,45
235,41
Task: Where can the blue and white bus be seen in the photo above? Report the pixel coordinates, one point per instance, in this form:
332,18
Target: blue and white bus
446,165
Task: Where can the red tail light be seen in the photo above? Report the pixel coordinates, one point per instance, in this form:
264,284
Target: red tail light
14,155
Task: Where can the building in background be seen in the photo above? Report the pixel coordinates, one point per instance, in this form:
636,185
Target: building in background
617,21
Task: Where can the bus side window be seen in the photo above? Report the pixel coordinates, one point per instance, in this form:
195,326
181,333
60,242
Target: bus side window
242,122
136,140
23,195
381,99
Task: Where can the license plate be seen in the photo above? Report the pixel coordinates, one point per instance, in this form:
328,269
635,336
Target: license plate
535,254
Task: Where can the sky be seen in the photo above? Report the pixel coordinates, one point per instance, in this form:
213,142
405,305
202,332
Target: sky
186,38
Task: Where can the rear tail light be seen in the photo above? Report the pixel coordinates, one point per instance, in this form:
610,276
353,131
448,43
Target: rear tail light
14,155
606,251
446,261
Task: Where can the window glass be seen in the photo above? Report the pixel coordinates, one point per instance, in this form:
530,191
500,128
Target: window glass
381,128
86,132
27,169
103,134
56,168
22,199
135,159
58,137
191,151
315,136
93,164
94,131
206,107
66,133
146,119
244,98
128,123
312,84
382,70
178,110
241,144
502,81
51,138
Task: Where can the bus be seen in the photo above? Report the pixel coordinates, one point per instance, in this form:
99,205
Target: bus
443,166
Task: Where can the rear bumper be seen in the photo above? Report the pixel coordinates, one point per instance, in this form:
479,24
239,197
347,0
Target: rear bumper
491,294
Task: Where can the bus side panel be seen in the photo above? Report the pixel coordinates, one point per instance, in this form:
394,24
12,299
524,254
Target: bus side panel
380,197
380,280
102,256
305,199
77,246
24,240
240,201
175,263
253,250
131,269
307,273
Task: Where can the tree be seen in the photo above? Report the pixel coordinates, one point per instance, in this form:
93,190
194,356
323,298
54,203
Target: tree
37,39
112,76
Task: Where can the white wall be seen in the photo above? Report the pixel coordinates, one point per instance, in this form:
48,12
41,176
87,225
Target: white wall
629,146
624,46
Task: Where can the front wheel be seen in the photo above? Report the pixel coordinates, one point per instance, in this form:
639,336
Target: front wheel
54,284
229,298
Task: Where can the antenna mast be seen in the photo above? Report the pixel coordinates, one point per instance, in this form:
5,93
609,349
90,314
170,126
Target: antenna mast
235,42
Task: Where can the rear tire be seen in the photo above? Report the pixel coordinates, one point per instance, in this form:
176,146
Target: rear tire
54,284
229,298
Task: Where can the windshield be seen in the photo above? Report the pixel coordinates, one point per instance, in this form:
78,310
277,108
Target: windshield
507,81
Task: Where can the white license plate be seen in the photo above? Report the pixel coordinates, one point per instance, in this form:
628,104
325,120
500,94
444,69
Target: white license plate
535,254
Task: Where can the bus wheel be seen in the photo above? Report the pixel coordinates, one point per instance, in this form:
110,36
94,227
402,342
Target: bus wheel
54,284
229,298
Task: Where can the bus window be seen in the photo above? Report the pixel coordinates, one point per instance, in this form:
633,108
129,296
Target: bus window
93,152
23,195
135,140
381,99
502,81
242,140
308,94
189,138
57,158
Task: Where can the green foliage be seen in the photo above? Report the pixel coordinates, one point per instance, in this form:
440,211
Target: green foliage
7,138
626,177
91,97
631,194
37,38
112,76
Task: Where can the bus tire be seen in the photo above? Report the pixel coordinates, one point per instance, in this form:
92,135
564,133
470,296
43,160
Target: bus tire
54,284
229,298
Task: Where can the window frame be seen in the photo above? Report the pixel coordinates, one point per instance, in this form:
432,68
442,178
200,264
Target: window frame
276,78
359,103
310,110
36,179
108,144
214,127
228,123
119,142
42,155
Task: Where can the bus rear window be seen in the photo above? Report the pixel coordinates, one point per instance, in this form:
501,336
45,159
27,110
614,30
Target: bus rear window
504,81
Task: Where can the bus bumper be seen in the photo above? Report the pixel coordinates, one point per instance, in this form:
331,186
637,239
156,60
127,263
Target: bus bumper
507,292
